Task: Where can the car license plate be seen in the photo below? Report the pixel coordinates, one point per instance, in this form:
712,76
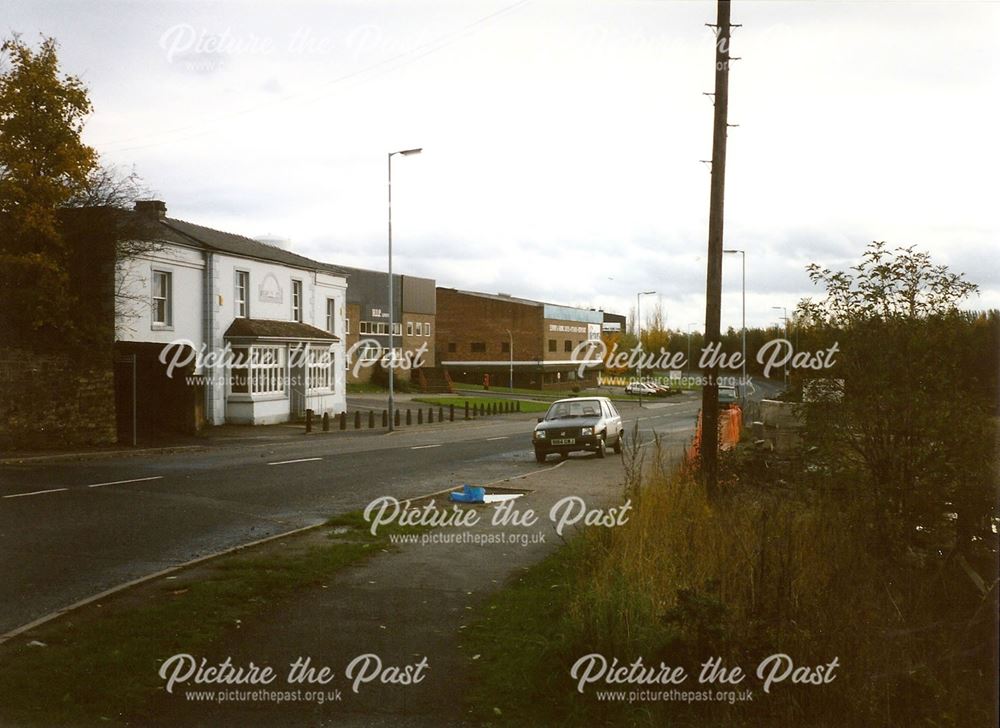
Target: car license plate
564,441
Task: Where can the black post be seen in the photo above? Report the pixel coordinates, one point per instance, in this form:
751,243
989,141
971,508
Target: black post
430,415
385,418
343,420
451,413
440,414
326,422
371,419
309,421
357,419
409,417
420,415
396,418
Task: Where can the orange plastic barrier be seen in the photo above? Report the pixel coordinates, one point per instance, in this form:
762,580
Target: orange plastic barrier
730,426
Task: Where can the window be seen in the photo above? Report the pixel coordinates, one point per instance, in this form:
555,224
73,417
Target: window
452,347
331,315
552,344
297,301
162,298
369,353
397,329
409,328
567,345
365,327
320,368
242,296
505,347
258,370
239,382
347,326
478,347
420,329
427,328
267,370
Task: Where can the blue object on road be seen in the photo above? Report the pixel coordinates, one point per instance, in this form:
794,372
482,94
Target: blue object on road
468,494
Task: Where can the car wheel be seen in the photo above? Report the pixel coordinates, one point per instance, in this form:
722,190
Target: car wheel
601,448
540,455
618,444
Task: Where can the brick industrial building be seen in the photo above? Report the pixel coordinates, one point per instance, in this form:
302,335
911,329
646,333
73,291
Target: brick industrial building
508,338
367,325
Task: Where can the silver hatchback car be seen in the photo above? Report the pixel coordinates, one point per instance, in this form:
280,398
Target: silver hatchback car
581,423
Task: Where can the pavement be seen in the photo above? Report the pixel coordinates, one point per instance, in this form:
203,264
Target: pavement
404,607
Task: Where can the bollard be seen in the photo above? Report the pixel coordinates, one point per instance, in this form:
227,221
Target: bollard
309,421
420,416
430,415
357,419
494,408
451,413
385,418
409,417
440,414
518,405
395,419
371,419
466,409
326,422
343,420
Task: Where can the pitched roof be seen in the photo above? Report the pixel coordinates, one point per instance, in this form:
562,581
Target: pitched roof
168,229
245,328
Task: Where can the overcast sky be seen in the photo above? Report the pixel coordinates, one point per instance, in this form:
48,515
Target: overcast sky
562,139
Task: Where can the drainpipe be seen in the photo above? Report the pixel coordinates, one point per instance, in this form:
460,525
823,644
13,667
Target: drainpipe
208,323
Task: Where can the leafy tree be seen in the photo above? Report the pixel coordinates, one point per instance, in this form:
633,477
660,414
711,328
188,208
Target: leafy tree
59,232
900,399
43,165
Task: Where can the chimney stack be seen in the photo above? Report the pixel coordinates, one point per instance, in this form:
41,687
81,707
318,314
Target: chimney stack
151,209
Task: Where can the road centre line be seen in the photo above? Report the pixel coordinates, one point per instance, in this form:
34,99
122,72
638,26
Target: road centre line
490,439
35,492
424,447
289,462
120,482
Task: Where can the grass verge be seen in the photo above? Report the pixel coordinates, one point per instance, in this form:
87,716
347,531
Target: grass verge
98,665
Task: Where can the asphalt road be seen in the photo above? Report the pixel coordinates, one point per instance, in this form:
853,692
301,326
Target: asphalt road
70,529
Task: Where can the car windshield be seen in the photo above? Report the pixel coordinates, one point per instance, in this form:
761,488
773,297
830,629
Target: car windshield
576,408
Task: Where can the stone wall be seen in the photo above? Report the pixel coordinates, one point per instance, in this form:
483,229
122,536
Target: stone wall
49,401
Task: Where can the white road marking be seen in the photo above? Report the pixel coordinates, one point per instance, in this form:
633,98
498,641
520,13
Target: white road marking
490,439
119,482
35,492
424,447
300,460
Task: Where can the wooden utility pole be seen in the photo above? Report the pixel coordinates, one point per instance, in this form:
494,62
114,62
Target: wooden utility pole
713,287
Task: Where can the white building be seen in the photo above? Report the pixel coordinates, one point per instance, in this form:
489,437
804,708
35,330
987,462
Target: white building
276,316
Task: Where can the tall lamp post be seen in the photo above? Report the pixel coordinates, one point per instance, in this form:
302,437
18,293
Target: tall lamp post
784,317
743,256
511,358
638,335
392,350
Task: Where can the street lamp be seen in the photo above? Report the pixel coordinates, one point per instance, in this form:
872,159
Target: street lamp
638,335
784,316
392,351
511,358
743,256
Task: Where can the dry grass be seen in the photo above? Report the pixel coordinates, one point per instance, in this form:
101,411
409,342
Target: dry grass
766,571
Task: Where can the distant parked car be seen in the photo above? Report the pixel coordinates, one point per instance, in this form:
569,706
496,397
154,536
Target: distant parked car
727,395
641,388
590,424
661,389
